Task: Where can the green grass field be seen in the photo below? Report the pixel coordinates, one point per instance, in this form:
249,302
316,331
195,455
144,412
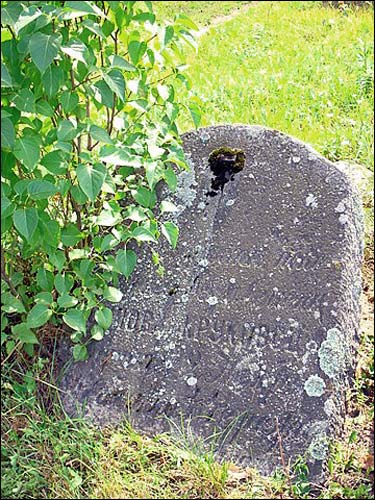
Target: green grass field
294,66
307,71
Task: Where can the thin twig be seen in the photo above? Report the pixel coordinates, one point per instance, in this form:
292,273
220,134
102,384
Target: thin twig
11,352
88,117
41,381
6,278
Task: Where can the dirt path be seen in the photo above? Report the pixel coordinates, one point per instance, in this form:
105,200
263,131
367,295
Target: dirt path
216,21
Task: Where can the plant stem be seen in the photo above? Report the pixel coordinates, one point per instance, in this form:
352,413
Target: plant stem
6,278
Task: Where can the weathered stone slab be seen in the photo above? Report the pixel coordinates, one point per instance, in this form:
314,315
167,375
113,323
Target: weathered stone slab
251,331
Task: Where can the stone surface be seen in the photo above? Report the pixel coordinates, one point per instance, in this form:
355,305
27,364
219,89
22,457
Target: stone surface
251,333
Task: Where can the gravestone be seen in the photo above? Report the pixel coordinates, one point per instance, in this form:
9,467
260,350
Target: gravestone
248,339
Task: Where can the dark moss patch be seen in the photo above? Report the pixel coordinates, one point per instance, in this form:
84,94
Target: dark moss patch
224,163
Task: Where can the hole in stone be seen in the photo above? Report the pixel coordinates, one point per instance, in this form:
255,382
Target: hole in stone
224,163
173,290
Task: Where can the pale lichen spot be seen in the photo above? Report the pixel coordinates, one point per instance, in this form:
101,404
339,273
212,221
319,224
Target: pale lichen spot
318,448
314,386
329,407
340,207
333,353
115,356
212,301
343,219
312,346
311,201
191,381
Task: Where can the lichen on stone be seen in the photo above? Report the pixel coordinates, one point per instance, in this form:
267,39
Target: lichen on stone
329,407
212,301
311,201
314,386
333,353
185,192
318,448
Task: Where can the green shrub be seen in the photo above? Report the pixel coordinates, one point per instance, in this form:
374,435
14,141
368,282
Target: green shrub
88,128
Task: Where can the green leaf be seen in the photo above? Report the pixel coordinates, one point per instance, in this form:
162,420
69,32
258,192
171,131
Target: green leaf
126,261
91,178
25,101
135,213
29,15
76,320
78,195
63,283
120,62
43,108
196,114
39,189
170,231
97,332
104,317
66,131
112,294
43,298
44,279
84,8
50,230
51,80
66,301
136,50
109,242
7,208
80,352
140,233
76,50
70,235
108,218
186,21
170,178
118,157
10,13
94,28
57,259
99,134
103,94
69,101
168,34
55,163
167,206
116,83
26,221
144,197
78,253
23,333
154,173
38,316
145,16
7,133
26,150
11,304
43,50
